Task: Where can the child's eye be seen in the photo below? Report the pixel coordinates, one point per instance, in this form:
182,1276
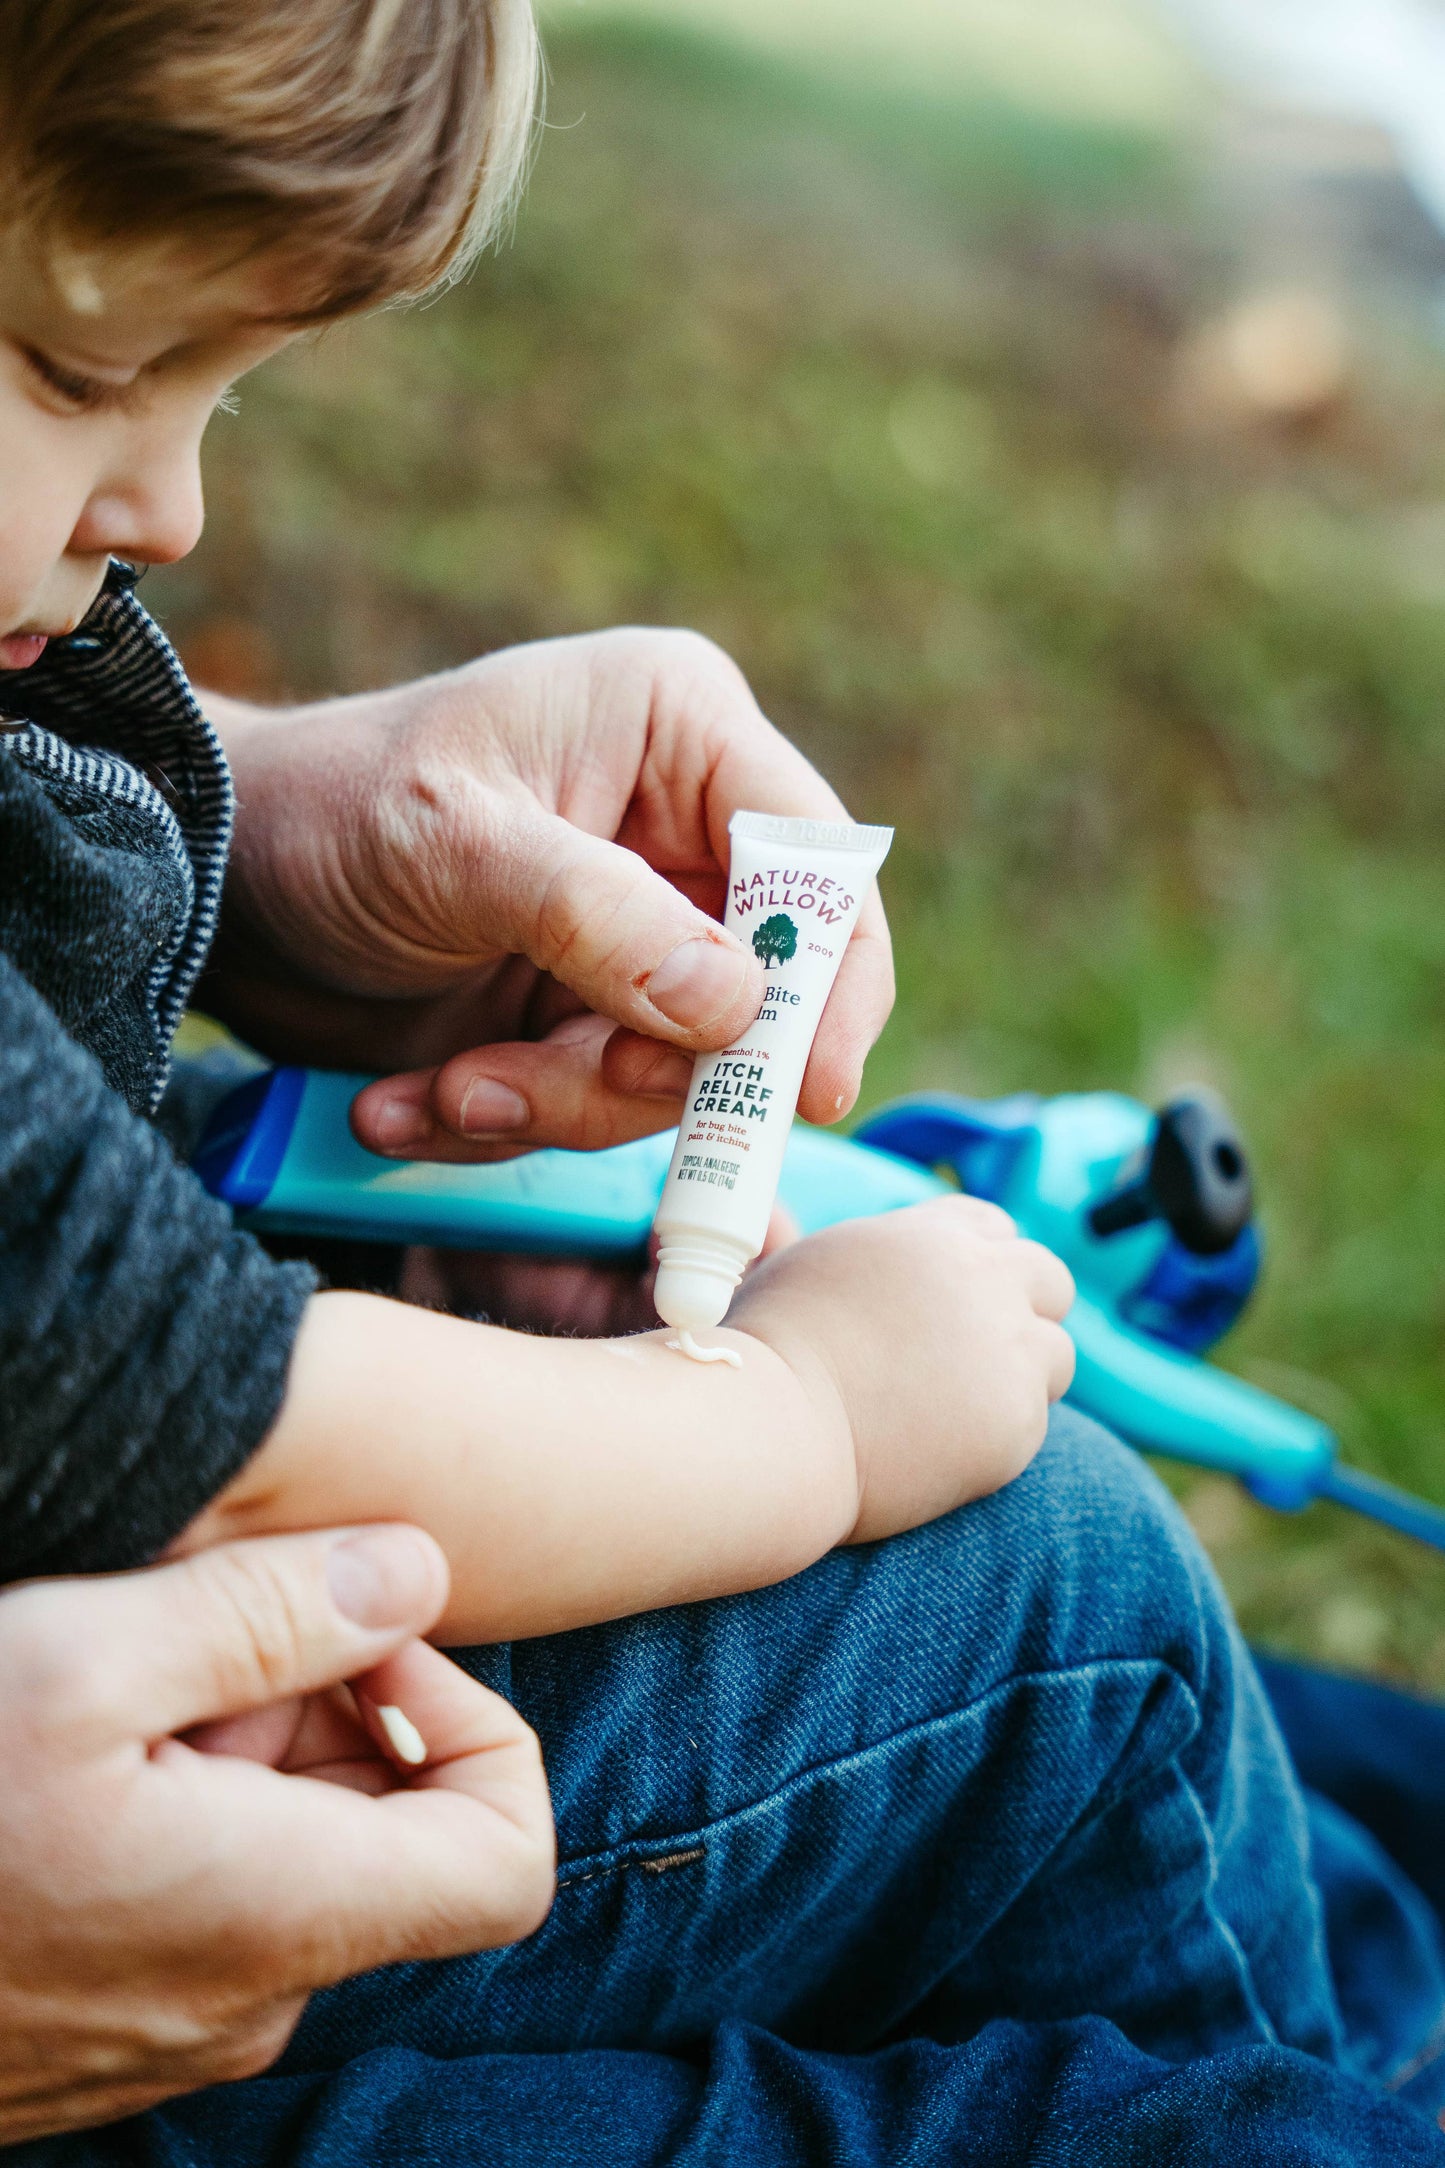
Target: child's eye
86,392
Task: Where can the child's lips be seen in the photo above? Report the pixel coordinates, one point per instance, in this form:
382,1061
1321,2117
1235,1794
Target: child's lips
18,650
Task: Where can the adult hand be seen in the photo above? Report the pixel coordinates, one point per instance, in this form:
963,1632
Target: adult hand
506,882
170,1896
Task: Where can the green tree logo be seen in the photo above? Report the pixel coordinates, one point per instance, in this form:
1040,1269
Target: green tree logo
775,941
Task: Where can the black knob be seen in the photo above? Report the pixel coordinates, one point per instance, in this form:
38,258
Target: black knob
1197,1179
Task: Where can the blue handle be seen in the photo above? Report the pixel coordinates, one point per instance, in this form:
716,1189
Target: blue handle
1169,1403
281,1152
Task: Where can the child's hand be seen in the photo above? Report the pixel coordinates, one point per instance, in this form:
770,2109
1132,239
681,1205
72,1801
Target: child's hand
939,1330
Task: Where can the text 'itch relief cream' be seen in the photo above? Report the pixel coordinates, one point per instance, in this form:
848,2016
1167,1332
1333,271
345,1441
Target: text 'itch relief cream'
795,888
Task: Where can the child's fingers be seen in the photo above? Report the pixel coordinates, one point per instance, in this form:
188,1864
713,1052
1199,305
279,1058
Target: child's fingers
983,1218
1060,1358
1050,1282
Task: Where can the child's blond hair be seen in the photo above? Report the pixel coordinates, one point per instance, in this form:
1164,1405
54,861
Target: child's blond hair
375,144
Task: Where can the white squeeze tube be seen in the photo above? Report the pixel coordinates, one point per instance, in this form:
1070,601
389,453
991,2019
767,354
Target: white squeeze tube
795,888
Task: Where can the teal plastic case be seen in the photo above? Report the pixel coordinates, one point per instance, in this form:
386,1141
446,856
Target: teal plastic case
281,1152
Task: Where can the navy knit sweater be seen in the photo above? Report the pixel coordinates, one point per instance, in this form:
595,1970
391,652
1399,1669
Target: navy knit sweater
143,1340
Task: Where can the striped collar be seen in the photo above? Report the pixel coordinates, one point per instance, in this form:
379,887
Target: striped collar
113,701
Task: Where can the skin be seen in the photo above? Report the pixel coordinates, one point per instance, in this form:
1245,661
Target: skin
511,854
499,882
199,1825
891,1371
101,416
483,874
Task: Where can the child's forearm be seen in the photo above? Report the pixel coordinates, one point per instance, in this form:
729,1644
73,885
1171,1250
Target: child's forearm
569,1481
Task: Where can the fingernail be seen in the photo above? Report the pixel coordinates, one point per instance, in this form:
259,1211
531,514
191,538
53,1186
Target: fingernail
381,1577
489,1107
398,1123
698,981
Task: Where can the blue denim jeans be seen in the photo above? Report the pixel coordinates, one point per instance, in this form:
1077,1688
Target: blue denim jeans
978,1844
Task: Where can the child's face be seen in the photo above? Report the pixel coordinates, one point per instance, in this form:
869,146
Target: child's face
109,372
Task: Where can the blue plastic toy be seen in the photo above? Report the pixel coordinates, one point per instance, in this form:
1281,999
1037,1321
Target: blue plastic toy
1153,1213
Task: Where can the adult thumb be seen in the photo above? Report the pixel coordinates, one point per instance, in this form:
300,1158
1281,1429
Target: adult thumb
249,1623
599,919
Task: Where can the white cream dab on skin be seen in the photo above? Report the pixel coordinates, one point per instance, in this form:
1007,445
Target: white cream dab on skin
402,1736
686,1345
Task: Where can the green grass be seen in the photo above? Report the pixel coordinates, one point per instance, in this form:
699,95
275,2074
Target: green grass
881,390
1110,59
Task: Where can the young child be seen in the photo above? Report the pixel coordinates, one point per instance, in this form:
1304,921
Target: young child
1013,1763
151,1350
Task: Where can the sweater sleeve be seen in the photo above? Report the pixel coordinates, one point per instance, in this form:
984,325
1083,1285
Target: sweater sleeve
144,1340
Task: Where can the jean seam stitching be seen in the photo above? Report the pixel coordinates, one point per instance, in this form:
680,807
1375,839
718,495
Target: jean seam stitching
1221,1925
1109,1795
589,1866
1411,2066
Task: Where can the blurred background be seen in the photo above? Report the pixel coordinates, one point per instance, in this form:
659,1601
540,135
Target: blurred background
1044,400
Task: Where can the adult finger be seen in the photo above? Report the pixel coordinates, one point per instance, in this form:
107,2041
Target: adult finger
265,1735
571,1089
475,1742
599,919
231,1629
325,1879
757,769
858,1008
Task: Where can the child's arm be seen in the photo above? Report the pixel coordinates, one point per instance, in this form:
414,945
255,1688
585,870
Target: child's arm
892,1370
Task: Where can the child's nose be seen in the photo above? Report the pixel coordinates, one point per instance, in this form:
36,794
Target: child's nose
152,517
